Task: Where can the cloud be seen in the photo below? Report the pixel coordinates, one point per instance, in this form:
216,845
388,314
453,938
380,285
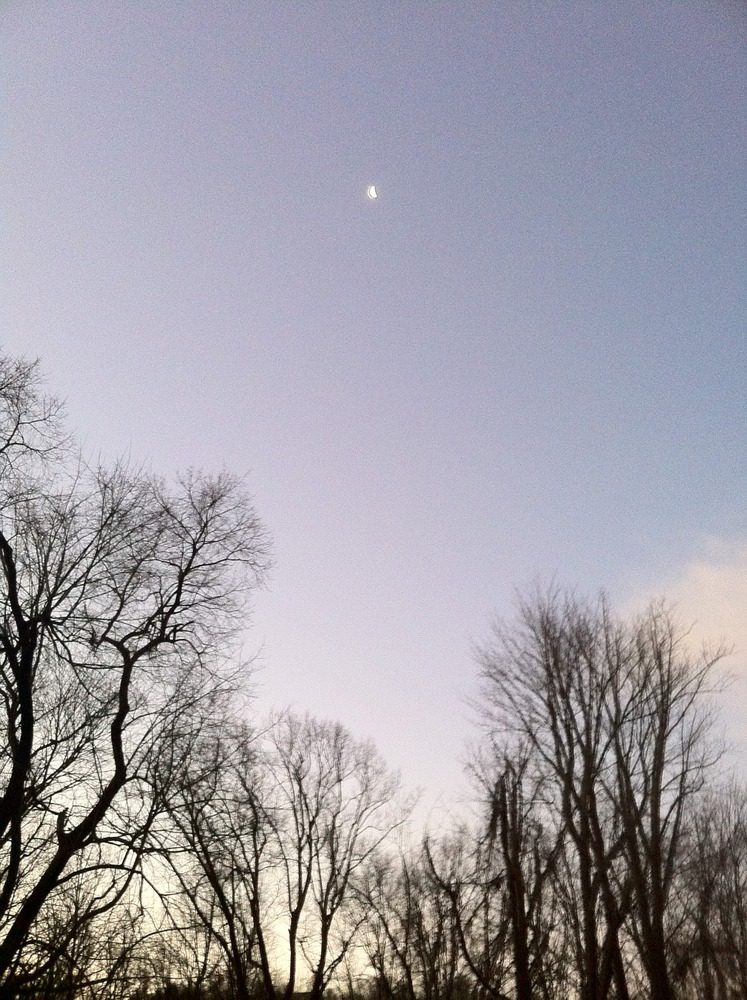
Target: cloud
709,592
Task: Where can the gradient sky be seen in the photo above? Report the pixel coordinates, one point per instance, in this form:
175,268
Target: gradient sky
527,359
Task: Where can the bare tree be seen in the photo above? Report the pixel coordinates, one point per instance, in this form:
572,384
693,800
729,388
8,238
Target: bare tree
710,943
118,598
30,420
610,714
217,843
411,935
338,804
272,828
659,731
528,865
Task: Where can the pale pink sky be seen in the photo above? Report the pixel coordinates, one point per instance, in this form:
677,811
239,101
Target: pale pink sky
526,359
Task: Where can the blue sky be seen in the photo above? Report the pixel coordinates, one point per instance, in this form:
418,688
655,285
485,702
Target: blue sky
527,359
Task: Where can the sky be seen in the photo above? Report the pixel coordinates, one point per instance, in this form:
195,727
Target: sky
525,361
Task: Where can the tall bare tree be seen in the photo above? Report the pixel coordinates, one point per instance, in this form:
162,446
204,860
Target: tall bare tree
118,598
610,712
710,945
662,754
339,803
218,844
411,930
272,829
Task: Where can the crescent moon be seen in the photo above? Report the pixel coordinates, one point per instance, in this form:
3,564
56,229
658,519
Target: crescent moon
371,192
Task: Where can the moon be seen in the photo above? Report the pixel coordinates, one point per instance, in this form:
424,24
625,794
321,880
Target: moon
371,193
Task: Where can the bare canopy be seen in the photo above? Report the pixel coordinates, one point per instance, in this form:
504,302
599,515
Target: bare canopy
119,594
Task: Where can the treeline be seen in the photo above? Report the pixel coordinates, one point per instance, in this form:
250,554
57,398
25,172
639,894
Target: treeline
159,842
